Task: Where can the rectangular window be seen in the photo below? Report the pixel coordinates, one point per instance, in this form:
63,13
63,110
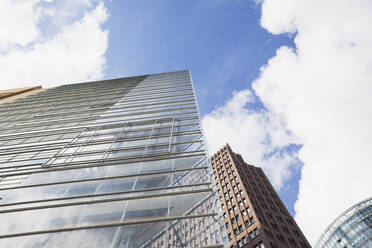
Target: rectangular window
240,243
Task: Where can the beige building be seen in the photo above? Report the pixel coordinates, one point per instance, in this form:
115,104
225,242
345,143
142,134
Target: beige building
254,215
14,94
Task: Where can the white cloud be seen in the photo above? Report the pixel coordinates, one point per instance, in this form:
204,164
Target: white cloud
260,137
17,23
323,91
48,43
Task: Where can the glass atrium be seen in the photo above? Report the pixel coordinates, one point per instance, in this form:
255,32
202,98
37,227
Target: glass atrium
352,229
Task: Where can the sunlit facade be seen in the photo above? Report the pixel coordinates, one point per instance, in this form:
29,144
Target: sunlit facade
110,163
352,229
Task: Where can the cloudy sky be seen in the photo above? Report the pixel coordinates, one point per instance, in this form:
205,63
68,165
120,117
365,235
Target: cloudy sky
288,82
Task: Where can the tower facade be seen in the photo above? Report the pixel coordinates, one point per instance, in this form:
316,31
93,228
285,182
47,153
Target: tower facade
254,215
109,163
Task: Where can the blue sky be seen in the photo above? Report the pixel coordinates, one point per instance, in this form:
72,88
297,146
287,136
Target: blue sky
220,42
288,82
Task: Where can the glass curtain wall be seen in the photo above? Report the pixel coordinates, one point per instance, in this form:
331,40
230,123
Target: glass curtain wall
114,163
352,229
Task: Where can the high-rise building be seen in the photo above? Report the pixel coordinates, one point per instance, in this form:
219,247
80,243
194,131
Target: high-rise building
353,228
110,163
254,215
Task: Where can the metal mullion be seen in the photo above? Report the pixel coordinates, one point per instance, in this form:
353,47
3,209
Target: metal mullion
66,140
101,103
171,136
79,128
66,130
194,167
128,112
102,178
93,96
63,149
152,108
82,94
127,148
161,94
200,136
150,100
45,147
6,169
45,104
53,94
113,103
112,224
54,98
152,91
149,138
136,86
105,194
127,198
100,117
113,142
104,125
79,145
104,87
117,107
108,162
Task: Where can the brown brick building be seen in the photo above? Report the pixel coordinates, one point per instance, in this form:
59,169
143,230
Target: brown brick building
254,215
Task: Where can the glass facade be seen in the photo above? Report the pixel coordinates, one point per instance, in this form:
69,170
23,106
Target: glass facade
113,163
352,229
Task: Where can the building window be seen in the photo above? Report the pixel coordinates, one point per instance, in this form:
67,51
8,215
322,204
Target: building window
251,235
251,220
247,223
259,245
240,243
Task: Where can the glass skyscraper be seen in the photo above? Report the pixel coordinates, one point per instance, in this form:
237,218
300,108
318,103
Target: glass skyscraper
112,163
352,229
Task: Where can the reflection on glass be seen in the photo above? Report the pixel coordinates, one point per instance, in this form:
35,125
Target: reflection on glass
115,163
